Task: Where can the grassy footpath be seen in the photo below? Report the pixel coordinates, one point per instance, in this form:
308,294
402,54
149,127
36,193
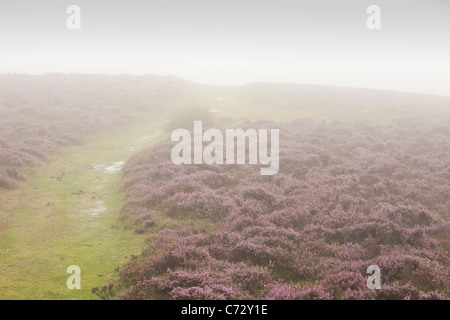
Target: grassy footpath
48,224
66,214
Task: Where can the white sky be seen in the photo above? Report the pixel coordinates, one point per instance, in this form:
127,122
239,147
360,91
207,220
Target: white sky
234,42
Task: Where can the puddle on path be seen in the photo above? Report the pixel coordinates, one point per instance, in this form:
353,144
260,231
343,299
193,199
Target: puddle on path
106,170
112,168
115,167
95,211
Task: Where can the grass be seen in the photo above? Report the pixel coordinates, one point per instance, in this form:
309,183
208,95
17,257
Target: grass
45,228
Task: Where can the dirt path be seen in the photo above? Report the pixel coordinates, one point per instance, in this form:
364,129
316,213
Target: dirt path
67,215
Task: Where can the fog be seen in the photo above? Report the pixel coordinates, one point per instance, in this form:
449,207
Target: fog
224,150
235,42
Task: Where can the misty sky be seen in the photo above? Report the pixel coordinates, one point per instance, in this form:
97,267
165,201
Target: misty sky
236,41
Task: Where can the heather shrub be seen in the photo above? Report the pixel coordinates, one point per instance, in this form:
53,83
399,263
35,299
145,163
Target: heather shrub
5,181
297,292
346,197
39,114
